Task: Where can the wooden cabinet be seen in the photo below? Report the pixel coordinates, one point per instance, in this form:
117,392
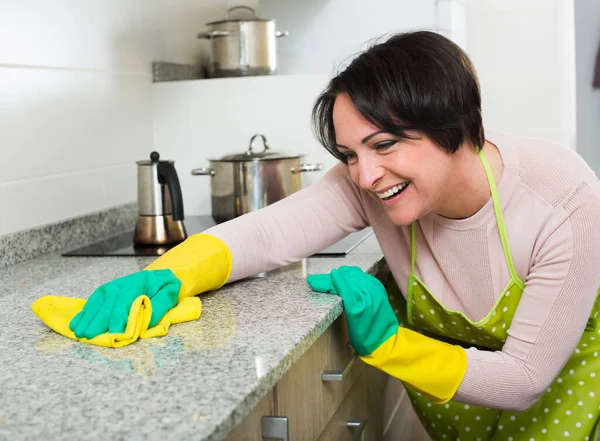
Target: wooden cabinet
320,410
250,429
363,407
307,400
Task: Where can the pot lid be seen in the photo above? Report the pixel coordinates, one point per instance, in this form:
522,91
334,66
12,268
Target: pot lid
251,155
250,16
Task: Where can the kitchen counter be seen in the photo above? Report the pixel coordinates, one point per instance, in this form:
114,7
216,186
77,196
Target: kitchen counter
198,382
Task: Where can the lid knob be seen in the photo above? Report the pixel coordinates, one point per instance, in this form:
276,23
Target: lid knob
154,156
264,140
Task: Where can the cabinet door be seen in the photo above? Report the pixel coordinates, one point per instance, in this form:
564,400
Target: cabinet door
400,419
250,428
376,381
301,395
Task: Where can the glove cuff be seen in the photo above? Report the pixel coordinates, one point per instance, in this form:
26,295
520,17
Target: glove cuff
202,263
429,366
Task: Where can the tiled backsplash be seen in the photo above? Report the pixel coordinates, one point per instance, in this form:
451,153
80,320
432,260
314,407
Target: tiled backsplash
75,98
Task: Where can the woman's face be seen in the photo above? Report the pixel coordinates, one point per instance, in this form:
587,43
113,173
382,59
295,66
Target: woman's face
410,178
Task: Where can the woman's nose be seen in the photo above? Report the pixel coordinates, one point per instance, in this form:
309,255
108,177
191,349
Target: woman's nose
370,171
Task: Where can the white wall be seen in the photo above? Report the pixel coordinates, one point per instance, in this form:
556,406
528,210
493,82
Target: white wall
523,51
587,38
324,33
451,20
75,98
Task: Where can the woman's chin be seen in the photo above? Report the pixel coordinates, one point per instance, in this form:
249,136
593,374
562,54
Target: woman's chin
401,218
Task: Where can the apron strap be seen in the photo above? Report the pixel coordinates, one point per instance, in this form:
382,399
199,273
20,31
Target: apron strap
500,220
413,246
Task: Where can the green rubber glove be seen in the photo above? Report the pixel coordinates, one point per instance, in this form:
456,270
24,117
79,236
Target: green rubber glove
107,309
370,317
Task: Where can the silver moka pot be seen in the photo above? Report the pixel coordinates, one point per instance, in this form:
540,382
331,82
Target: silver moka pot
159,205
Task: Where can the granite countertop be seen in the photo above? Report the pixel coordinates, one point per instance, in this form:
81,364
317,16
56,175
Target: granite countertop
198,382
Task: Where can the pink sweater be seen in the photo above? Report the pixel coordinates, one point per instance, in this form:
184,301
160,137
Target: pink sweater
551,206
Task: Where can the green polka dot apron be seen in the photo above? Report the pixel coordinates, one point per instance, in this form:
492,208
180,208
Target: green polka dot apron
569,409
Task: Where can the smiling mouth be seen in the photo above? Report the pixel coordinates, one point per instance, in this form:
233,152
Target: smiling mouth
394,191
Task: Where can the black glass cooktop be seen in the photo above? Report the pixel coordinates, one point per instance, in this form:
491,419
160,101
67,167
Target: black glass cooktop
122,244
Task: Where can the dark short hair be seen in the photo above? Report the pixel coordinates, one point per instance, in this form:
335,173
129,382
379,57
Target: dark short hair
413,81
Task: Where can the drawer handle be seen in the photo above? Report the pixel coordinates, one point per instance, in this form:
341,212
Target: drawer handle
359,426
339,375
275,428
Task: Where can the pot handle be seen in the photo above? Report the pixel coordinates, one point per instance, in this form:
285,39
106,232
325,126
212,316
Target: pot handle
307,168
203,171
282,33
213,34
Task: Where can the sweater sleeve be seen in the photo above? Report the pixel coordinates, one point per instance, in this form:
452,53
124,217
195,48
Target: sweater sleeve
560,291
296,227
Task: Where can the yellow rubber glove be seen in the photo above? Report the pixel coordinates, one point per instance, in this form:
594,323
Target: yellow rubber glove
202,263
429,366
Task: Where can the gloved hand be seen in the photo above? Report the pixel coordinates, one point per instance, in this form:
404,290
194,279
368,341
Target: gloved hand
370,317
434,368
57,312
107,309
201,263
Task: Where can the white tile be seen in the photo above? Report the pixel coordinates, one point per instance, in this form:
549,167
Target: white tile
119,43
459,18
54,121
31,203
3,209
171,104
451,17
504,5
120,184
444,16
44,33
170,28
126,136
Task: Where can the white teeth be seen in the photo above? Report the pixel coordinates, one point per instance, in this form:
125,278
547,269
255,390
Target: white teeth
392,191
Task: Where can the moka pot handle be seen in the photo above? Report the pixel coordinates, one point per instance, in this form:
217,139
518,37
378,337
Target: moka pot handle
168,175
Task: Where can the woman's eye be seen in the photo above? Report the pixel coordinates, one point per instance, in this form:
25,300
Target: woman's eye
385,145
349,157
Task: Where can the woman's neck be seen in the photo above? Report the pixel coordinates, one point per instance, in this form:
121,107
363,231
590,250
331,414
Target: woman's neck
470,186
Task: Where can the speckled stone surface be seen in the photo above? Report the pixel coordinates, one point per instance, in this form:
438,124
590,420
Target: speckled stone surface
163,71
198,382
27,244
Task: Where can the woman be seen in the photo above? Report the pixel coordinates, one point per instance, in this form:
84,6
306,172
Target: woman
496,240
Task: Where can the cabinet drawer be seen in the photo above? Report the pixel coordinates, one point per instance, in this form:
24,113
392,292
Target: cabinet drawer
363,406
354,407
307,400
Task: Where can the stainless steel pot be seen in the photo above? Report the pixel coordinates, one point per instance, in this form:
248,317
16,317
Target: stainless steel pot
252,180
242,46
